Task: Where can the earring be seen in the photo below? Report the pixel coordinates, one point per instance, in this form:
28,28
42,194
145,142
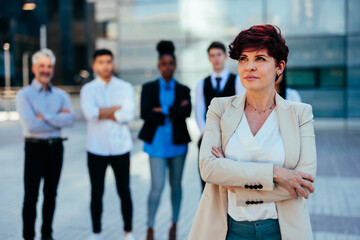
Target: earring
278,75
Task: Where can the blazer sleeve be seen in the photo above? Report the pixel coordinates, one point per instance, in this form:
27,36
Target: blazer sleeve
146,107
224,171
178,111
307,164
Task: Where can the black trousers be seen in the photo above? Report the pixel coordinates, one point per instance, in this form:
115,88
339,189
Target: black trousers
97,168
42,161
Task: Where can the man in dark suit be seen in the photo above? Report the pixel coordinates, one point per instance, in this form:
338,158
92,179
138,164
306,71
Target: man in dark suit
220,83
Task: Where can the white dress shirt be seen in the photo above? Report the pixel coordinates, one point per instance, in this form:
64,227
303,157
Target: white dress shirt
200,107
265,147
107,137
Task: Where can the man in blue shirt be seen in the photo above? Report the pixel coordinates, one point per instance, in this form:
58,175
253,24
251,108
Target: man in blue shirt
43,110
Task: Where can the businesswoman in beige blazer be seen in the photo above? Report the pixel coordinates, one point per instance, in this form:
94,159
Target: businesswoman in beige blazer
258,154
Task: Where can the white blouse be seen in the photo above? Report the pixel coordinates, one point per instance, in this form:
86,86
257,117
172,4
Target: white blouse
266,146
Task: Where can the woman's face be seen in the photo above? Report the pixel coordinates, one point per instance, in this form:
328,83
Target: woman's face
167,66
257,70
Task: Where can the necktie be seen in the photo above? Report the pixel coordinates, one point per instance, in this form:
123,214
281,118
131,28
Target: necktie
218,80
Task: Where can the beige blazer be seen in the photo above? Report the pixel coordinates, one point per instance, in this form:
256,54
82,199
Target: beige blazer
296,127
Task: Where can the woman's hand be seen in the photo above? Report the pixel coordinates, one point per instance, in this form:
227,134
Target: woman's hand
184,103
294,181
217,152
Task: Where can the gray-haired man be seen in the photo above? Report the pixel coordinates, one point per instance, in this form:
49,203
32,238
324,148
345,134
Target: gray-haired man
43,110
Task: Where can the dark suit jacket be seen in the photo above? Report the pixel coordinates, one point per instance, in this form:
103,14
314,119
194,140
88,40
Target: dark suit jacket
150,98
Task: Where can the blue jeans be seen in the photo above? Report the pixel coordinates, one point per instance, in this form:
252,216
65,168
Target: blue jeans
158,171
267,229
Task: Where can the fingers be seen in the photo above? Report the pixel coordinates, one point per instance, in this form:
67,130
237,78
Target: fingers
214,149
220,151
297,183
306,176
184,103
65,110
301,191
303,187
293,193
217,152
305,181
40,116
307,184
157,109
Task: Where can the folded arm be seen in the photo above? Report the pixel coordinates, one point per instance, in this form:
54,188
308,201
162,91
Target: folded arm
128,108
183,110
91,110
29,117
89,107
289,187
148,111
224,171
64,118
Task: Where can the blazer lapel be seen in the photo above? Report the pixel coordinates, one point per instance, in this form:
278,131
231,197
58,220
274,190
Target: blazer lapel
229,123
178,94
288,124
231,119
156,93
289,129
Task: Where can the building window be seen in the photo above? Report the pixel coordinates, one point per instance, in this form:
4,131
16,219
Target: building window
324,78
301,78
332,78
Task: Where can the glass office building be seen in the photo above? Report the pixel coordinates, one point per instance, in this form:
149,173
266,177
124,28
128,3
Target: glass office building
67,33
323,37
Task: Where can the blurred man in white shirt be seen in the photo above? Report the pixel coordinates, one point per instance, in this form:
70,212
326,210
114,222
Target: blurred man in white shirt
108,104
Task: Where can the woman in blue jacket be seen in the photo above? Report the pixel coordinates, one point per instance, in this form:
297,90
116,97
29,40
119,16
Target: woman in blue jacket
165,104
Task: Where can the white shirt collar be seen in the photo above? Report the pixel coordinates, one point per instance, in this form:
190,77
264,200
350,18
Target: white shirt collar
223,74
102,82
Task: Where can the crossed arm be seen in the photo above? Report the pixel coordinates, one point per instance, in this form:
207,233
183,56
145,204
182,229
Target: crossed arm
108,113
158,114
44,122
65,117
278,183
293,181
116,113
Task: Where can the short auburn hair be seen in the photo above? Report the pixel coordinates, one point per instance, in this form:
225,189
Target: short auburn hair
260,37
